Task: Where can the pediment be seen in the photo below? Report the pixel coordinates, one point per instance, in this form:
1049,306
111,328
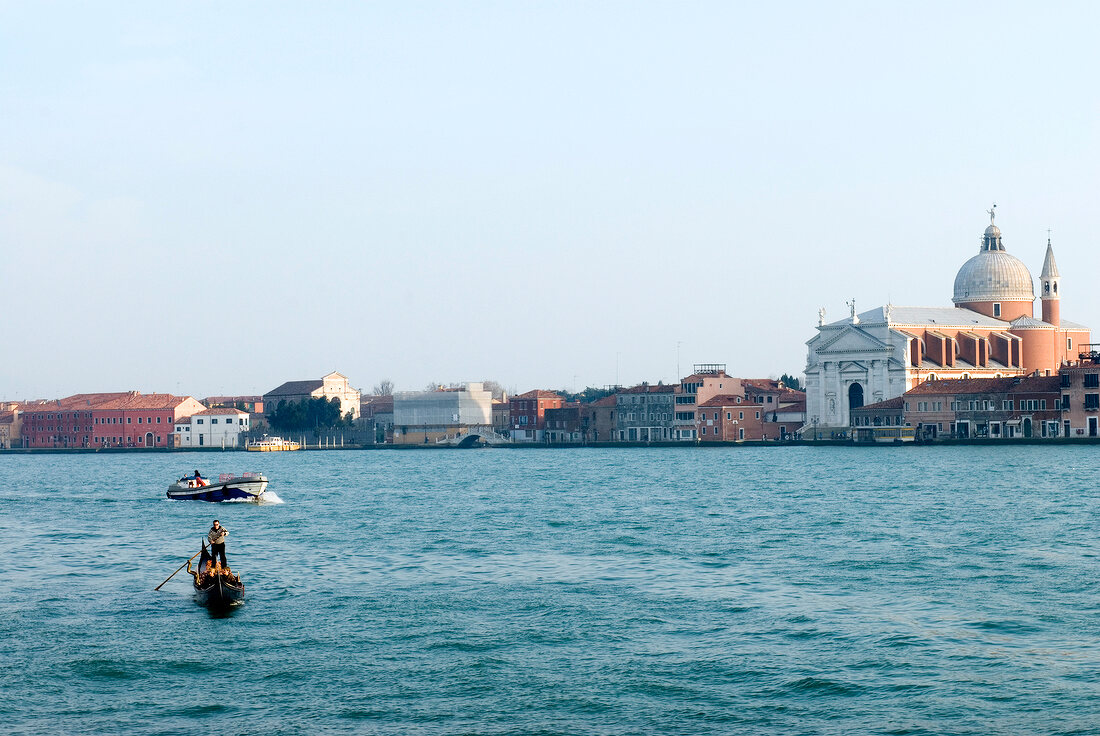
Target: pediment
852,340
852,366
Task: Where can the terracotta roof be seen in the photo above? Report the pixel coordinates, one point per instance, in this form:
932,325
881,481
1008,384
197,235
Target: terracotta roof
378,403
761,384
111,402
1037,384
698,377
138,402
605,401
538,393
646,388
296,388
961,386
726,400
895,403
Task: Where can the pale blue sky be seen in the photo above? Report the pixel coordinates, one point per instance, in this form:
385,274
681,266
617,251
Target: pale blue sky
217,197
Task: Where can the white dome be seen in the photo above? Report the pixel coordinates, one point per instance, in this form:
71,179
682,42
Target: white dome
993,276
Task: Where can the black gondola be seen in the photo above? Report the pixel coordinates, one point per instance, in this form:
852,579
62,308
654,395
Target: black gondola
215,589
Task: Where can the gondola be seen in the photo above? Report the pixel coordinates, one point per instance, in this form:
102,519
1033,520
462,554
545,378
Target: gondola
216,589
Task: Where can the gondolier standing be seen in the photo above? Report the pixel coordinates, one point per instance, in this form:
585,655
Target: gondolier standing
217,536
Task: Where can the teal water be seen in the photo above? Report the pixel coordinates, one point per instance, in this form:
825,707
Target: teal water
943,590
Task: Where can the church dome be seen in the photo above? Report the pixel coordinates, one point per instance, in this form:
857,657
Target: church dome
993,275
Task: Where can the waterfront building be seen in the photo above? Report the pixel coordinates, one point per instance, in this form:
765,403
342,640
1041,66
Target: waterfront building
250,404
502,416
10,424
527,414
706,381
334,385
129,419
217,427
376,415
1079,387
645,413
880,422
729,418
991,332
599,419
425,417
995,408
565,424
788,419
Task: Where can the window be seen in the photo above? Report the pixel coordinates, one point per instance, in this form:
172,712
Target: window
729,415
1069,343
1006,405
1065,401
129,420
1092,380
996,310
158,420
757,415
740,415
199,421
1092,401
139,420
214,420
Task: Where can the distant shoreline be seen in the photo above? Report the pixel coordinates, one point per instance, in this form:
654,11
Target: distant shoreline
574,446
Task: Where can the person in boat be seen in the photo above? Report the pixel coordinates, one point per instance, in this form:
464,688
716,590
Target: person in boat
199,480
217,536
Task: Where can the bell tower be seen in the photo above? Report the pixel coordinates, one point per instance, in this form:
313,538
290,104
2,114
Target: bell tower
1050,288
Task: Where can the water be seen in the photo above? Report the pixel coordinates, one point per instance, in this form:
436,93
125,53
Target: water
948,590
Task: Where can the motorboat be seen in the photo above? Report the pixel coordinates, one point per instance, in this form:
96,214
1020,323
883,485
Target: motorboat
228,487
215,586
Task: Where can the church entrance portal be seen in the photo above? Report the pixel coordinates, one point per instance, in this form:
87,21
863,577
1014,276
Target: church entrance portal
855,396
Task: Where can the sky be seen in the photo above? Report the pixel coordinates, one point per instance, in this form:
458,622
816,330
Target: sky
213,198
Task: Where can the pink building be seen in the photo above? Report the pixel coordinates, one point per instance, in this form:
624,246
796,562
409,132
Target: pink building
729,418
127,419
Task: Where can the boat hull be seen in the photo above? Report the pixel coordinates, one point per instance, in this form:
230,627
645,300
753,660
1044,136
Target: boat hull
219,594
234,489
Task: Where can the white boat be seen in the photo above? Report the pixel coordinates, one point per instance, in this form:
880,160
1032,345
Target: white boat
228,487
272,444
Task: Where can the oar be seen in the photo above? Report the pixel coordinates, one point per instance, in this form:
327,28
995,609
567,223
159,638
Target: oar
178,569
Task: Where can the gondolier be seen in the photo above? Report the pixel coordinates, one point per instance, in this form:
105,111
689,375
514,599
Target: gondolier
217,536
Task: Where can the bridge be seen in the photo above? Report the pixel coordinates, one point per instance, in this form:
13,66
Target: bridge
469,436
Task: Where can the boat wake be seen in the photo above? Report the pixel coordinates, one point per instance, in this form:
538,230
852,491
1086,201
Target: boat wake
269,497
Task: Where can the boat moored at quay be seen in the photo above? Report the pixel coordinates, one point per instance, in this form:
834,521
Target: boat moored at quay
272,444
